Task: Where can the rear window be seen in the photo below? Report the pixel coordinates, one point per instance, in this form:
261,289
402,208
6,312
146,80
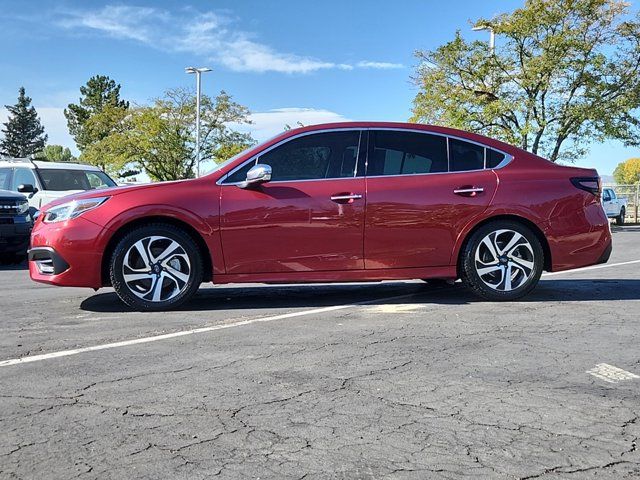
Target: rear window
61,180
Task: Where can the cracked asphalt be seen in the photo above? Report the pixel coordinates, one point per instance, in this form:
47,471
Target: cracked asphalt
418,382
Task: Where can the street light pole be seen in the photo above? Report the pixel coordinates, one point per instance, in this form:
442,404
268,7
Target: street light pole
492,36
198,72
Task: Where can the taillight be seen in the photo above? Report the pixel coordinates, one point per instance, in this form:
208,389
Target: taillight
588,184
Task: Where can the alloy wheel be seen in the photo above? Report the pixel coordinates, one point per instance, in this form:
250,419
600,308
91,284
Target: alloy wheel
156,268
504,260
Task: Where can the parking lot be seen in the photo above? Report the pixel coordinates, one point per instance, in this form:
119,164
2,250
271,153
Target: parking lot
388,380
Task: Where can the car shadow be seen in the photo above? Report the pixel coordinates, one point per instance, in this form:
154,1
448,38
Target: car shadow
625,228
317,296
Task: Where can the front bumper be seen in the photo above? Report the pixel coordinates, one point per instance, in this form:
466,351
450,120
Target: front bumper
14,237
67,253
48,261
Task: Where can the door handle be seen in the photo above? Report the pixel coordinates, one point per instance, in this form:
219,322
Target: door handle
468,191
345,197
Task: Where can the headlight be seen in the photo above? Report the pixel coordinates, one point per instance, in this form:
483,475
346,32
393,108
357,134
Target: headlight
73,209
23,207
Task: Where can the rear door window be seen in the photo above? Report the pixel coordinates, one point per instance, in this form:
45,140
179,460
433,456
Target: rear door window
405,153
464,156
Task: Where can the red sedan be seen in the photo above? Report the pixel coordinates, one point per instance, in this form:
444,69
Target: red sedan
333,203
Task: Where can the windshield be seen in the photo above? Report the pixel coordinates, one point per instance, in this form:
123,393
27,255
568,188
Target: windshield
60,180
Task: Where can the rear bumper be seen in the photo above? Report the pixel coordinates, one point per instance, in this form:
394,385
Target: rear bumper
580,240
604,258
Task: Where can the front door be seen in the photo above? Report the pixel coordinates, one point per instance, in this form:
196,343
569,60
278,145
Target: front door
421,192
309,217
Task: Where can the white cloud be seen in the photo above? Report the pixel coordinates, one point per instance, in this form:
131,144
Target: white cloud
210,35
272,122
379,65
55,126
119,21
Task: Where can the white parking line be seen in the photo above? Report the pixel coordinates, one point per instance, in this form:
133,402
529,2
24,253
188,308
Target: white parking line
611,374
594,267
166,336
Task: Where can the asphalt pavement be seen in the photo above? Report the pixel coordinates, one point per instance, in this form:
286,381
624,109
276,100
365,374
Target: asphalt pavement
398,380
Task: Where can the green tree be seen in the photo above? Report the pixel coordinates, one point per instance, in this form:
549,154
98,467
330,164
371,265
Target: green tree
627,172
160,139
108,130
100,93
55,153
565,73
23,133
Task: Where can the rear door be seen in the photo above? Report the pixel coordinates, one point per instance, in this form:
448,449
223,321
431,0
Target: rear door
309,217
422,189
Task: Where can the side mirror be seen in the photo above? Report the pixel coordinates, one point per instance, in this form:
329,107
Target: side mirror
258,174
27,188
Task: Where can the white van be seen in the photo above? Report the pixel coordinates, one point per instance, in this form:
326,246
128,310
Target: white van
43,181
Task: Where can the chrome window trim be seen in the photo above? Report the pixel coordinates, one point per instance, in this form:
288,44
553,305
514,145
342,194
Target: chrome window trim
507,156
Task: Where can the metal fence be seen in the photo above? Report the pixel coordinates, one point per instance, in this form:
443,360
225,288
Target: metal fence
631,193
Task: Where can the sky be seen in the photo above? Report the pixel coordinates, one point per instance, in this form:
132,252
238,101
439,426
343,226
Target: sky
287,61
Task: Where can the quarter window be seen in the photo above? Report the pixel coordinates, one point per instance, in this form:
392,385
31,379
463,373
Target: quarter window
465,156
494,158
310,157
406,153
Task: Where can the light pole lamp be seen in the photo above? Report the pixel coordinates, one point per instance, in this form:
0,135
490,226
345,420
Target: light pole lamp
492,36
198,71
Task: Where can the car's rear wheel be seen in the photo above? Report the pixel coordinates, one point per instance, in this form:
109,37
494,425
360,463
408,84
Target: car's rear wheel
620,218
502,260
156,267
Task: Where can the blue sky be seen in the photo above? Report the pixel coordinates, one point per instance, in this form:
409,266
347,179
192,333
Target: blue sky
286,60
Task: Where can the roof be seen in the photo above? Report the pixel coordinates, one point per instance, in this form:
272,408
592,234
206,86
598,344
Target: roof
26,162
65,165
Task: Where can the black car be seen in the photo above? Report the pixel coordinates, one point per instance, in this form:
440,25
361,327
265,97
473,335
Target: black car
16,221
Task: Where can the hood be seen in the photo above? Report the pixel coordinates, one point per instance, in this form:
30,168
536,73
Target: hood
9,195
108,192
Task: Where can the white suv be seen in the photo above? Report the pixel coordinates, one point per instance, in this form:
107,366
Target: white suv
43,181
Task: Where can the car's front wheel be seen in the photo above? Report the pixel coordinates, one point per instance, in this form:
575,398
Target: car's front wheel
620,218
156,267
502,260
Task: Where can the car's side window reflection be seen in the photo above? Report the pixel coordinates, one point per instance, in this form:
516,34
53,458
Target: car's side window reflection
406,153
465,156
310,157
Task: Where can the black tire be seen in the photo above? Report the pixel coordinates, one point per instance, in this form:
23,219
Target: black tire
620,218
469,271
187,254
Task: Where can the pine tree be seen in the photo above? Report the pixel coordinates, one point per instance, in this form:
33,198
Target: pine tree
23,133
99,93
